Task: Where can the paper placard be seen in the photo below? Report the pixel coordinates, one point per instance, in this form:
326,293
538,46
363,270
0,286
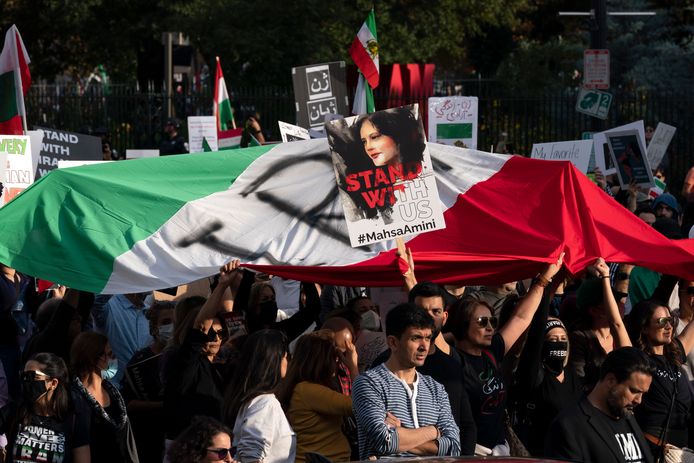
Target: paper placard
453,121
200,127
19,172
576,151
659,142
628,153
319,89
386,182
603,159
290,132
138,154
60,145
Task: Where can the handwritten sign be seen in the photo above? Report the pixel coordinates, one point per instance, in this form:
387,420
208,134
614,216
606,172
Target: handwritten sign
577,151
200,127
453,121
659,143
290,132
385,178
603,158
628,153
319,90
19,171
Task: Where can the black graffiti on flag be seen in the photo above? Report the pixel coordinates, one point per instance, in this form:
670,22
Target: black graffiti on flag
630,447
32,438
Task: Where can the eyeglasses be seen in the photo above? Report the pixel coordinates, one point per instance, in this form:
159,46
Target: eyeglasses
221,454
216,333
32,375
484,321
662,321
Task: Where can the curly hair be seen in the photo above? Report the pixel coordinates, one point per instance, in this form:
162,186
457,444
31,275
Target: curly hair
637,322
191,445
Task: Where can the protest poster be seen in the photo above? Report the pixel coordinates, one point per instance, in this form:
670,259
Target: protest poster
290,132
385,175
138,154
199,128
603,159
19,168
628,153
138,376
60,145
576,151
659,142
319,89
453,121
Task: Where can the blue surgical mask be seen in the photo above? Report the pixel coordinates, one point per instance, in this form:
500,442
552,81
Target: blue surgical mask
166,332
110,372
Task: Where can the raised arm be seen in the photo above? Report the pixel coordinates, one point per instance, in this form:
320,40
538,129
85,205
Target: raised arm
228,277
686,337
405,254
525,310
617,327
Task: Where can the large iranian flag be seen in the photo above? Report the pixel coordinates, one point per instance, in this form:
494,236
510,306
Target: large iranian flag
158,222
15,81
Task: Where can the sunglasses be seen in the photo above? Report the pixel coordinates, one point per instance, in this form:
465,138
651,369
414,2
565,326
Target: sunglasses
32,375
221,454
219,333
484,321
662,321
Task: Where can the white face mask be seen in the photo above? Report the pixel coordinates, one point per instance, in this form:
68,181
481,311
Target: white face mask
165,332
110,372
370,321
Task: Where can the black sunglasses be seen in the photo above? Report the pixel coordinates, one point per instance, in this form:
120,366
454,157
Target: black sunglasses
221,454
662,321
484,321
32,375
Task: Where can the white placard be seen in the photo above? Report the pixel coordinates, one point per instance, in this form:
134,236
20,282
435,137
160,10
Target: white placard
65,164
603,159
200,127
576,151
290,132
386,182
453,121
20,168
138,154
659,142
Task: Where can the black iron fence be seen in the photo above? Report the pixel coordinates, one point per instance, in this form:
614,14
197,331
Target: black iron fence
135,119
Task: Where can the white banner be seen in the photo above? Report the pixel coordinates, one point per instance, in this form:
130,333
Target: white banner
576,151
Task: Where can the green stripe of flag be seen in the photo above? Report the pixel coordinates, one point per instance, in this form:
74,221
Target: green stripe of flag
110,198
8,96
450,131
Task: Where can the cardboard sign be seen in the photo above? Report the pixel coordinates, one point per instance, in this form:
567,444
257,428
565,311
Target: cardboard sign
19,171
386,178
290,132
453,121
319,89
628,153
200,127
659,143
577,151
60,145
603,158
138,154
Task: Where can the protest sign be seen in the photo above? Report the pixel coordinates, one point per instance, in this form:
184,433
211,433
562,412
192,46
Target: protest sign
576,151
659,143
290,132
628,153
603,159
19,171
386,181
60,145
137,154
199,128
319,89
453,121
66,164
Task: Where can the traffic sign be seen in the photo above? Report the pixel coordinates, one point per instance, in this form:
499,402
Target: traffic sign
596,69
594,103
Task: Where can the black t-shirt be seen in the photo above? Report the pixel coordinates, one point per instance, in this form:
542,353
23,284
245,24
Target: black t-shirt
49,440
652,413
485,387
626,440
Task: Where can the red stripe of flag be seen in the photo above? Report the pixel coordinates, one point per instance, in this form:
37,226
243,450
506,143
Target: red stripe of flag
364,62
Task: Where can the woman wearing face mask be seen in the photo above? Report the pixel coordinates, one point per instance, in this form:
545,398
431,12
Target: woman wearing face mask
93,364
44,416
142,388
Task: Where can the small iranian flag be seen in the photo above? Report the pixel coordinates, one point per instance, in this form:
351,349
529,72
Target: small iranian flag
364,53
222,106
658,189
14,83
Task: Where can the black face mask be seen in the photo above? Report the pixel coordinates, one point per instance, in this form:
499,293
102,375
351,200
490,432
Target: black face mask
33,390
554,354
268,312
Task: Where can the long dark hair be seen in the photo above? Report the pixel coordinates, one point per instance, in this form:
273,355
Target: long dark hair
54,367
191,445
638,320
314,360
86,350
259,373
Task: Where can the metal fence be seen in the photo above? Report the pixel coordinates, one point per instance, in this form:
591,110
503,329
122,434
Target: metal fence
135,119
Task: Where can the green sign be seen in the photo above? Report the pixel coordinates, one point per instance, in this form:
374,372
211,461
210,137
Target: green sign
594,103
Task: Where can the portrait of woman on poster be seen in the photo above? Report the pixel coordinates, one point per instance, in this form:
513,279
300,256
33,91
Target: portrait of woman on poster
377,151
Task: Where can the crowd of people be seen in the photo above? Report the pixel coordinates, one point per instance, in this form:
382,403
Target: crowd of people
594,367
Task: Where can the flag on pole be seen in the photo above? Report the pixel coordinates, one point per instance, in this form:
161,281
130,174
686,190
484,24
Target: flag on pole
222,110
14,83
364,53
